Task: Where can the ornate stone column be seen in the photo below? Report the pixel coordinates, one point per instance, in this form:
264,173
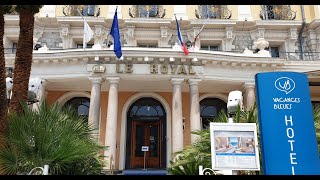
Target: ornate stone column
112,119
228,39
94,111
65,35
177,121
194,107
250,97
292,39
99,36
37,33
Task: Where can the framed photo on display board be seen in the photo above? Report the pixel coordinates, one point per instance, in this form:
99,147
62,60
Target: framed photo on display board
234,146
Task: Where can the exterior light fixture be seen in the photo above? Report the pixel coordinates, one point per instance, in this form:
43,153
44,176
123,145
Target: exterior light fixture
171,59
195,59
96,58
146,58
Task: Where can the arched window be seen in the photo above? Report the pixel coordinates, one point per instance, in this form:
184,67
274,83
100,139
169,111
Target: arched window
79,104
209,109
146,109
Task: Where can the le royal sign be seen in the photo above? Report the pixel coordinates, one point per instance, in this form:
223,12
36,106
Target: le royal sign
287,132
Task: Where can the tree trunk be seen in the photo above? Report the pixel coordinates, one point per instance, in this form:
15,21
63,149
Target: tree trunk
23,61
3,94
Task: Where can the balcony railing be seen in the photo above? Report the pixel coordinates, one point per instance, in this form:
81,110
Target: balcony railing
277,12
85,10
213,12
298,56
147,11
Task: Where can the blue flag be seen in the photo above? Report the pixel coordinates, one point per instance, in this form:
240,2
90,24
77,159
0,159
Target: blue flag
116,36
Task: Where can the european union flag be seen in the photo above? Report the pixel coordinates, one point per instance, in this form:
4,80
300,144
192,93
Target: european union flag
116,36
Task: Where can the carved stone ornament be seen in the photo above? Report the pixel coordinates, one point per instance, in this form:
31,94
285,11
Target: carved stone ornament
98,68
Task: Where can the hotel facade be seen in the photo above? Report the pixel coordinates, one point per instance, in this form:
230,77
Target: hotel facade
156,95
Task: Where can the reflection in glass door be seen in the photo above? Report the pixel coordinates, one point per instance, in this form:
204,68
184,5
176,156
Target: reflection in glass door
145,134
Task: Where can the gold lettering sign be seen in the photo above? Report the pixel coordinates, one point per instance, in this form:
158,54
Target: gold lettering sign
98,69
173,69
118,68
128,68
191,70
153,69
164,69
182,70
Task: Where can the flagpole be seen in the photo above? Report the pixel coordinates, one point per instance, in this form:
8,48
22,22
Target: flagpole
195,39
83,39
110,31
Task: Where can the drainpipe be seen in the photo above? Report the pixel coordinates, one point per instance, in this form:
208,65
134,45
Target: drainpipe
301,39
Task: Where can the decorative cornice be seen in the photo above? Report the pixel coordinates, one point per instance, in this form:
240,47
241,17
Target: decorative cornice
137,55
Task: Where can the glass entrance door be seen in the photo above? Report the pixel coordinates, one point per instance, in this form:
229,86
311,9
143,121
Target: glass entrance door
145,134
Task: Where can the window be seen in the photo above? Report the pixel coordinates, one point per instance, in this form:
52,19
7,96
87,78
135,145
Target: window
274,51
14,47
88,10
213,12
147,45
85,10
79,46
277,12
209,109
79,104
210,48
146,109
148,10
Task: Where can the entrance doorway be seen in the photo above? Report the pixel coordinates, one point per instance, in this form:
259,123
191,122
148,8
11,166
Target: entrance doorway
146,135
146,130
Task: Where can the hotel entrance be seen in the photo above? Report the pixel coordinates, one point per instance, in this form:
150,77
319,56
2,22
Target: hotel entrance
146,129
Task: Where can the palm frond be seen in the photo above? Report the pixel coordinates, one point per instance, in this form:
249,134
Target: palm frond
50,135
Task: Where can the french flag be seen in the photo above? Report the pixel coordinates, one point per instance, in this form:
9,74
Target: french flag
181,43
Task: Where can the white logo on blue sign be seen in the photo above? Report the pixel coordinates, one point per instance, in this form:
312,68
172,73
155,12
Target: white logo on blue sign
285,84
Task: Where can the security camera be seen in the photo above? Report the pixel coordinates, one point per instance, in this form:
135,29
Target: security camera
235,99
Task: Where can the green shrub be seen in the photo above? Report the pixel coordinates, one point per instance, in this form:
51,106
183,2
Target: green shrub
50,135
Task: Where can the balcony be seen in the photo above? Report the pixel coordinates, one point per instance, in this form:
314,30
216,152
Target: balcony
213,12
85,10
147,11
277,12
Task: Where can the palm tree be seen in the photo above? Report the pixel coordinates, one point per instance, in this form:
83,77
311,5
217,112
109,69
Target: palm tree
316,116
23,60
51,135
3,95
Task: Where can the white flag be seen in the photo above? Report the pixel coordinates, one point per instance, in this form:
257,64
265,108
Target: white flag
87,35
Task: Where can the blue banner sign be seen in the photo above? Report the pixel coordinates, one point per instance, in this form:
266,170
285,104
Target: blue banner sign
287,132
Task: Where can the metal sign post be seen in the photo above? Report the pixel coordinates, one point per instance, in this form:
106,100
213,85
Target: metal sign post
144,149
144,160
